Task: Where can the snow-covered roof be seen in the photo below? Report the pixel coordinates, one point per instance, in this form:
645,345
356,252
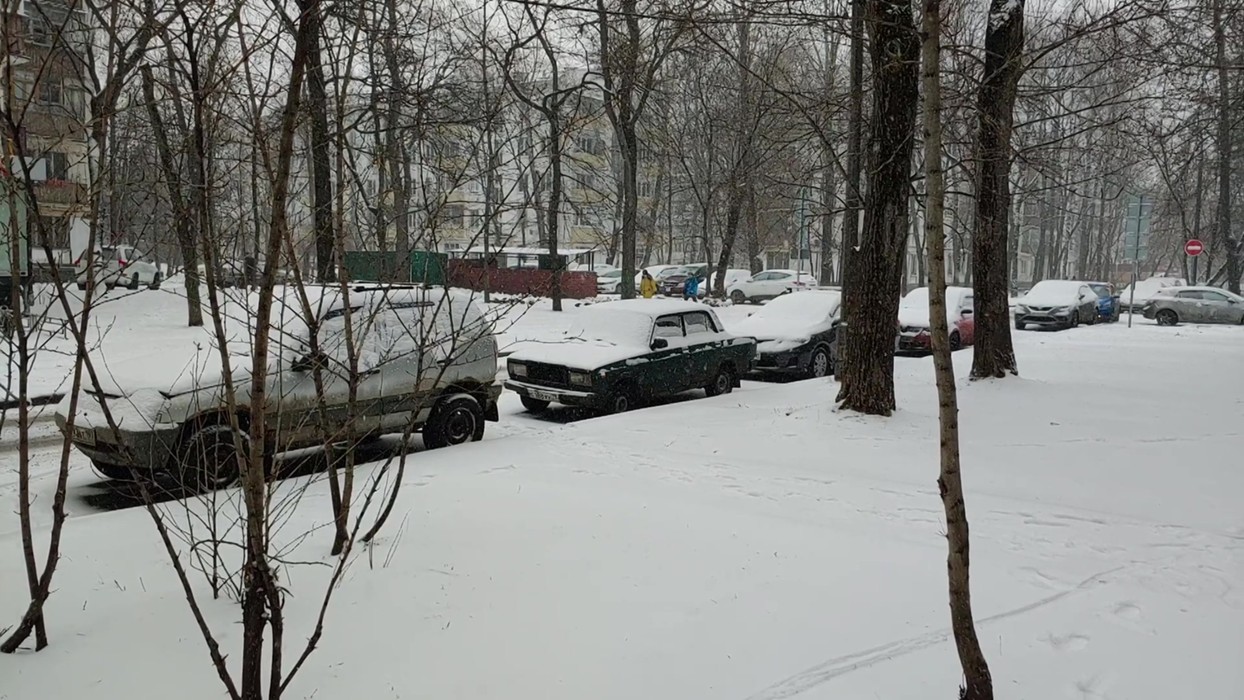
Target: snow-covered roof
650,307
507,250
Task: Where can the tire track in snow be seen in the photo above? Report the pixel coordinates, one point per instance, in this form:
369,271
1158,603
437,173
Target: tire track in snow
841,665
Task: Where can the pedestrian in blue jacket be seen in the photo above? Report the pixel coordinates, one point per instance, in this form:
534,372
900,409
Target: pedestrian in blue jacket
691,288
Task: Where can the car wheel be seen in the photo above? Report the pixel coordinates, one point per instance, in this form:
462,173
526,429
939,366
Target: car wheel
209,458
1166,317
455,420
82,286
738,297
134,281
955,342
820,365
621,400
723,383
1020,325
155,281
534,405
1075,320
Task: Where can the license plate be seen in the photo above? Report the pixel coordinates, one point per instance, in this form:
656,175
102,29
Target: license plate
85,436
542,395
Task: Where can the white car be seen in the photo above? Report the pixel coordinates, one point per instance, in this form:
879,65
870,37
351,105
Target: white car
607,282
118,266
657,272
770,284
1145,290
733,277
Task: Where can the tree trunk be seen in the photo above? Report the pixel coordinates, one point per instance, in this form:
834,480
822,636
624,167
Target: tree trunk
1223,239
978,684
555,198
321,161
855,138
395,151
994,355
181,216
874,272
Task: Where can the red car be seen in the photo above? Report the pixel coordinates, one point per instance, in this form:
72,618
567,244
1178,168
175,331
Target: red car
915,335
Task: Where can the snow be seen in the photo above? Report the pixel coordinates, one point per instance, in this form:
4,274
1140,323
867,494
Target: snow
759,545
1053,293
913,309
1147,288
791,317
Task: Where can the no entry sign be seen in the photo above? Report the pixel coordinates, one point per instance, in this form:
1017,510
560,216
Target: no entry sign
1194,247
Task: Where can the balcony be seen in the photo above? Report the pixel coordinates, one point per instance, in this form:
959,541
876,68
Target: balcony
61,192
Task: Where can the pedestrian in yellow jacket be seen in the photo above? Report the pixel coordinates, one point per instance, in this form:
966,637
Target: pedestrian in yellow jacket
647,286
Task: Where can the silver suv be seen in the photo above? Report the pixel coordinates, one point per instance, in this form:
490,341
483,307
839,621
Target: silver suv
1174,305
426,361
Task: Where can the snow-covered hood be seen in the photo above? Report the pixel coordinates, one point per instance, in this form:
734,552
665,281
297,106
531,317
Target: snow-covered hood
767,329
1053,297
575,353
917,316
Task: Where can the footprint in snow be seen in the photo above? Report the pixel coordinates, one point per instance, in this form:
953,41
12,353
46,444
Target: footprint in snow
1067,642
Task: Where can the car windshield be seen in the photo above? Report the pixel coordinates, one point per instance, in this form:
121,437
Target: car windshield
1103,291
611,273
616,327
916,299
801,306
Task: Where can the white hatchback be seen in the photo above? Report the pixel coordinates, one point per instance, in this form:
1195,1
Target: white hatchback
118,266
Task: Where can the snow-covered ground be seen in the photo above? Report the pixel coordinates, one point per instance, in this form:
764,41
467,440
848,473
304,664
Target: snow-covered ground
754,546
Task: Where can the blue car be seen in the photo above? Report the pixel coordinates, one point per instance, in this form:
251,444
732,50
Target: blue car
1107,301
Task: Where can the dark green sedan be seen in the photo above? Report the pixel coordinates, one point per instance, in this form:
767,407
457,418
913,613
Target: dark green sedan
619,354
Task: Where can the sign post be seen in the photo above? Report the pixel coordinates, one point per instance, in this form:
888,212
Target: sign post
1194,247
1136,242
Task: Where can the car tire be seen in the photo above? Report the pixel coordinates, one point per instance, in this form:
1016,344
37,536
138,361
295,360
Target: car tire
723,382
534,405
1075,320
1020,325
134,282
820,364
455,420
738,297
1166,317
620,400
155,281
82,286
956,343
208,458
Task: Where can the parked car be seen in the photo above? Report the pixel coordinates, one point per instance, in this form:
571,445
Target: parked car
795,334
769,284
118,266
733,277
1107,301
1175,305
608,282
1056,304
672,285
618,354
427,362
1144,291
915,330
657,272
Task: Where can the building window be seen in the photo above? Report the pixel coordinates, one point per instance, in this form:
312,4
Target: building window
582,218
589,144
589,180
58,166
50,92
645,188
452,215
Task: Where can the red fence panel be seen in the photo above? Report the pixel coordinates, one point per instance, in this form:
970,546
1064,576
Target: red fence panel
471,274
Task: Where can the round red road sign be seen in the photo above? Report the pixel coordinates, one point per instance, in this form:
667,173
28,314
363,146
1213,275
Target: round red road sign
1194,247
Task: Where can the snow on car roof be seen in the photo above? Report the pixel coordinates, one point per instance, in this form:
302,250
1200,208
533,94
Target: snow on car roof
650,307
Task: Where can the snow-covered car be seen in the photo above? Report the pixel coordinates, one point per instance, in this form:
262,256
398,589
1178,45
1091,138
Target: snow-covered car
671,285
1056,304
1134,296
427,361
657,272
1174,305
608,282
795,334
769,284
615,355
733,277
117,266
915,331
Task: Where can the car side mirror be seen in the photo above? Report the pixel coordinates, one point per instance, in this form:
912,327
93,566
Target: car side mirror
660,343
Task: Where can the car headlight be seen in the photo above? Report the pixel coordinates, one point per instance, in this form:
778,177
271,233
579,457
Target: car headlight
518,370
581,378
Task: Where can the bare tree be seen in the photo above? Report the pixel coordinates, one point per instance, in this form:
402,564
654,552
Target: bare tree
994,355
874,271
978,684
